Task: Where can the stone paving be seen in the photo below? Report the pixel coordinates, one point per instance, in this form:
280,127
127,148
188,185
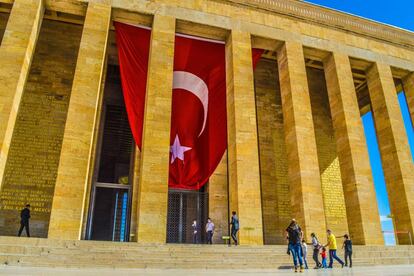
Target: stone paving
397,270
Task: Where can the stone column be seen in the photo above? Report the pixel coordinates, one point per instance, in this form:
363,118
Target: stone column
153,181
134,196
393,144
16,53
243,152
304,177
408,84
360,200
218,200
74,173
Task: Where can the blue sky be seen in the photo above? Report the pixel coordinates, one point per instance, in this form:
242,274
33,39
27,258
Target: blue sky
398,13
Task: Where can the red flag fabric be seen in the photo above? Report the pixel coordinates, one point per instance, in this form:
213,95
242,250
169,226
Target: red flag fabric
198,118
133,53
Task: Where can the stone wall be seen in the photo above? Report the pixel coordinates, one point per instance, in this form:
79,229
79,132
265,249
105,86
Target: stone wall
3,22
333,196
218,200
31,169
273,162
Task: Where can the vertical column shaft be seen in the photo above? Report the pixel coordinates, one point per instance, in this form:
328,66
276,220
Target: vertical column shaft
243,152
153,181
361,204
134,196
393,144
218,200
16,53
408,83
304,177
74,171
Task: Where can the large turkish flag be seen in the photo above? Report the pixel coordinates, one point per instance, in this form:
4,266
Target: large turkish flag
198,119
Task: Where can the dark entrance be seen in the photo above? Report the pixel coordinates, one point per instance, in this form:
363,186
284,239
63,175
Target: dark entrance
110,214
183,208
110,201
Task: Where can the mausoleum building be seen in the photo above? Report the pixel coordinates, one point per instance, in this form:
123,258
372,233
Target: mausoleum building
296,142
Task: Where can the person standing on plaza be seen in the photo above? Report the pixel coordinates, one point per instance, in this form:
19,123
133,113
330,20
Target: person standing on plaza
294,235
332,249
305,253
316,247
24,220
347,245
209,231
195,231
234,227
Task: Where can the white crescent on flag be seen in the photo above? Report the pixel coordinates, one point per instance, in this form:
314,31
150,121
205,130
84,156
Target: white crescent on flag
195,85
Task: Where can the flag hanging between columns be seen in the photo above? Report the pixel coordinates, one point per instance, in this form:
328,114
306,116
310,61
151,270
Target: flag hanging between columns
198,118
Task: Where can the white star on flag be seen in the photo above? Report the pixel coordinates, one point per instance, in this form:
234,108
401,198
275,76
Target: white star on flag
177,151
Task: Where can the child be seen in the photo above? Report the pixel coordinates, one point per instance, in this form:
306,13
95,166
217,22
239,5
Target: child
304,253
323,255
348,250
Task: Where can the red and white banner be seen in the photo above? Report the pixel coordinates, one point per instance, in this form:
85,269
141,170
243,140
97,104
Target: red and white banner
198,120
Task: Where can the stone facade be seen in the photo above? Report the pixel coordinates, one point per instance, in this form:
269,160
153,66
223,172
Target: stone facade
272,150
296,145
30,174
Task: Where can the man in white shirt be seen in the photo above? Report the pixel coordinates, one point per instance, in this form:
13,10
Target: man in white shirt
209,231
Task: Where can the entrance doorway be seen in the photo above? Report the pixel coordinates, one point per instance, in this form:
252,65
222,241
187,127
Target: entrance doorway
183,208
110,199
110,213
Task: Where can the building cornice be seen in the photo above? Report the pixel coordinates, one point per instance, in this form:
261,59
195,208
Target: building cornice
326,17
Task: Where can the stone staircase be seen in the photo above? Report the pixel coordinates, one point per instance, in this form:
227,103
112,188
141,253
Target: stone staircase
96,254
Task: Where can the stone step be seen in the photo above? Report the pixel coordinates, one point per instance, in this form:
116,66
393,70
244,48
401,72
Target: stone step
88,254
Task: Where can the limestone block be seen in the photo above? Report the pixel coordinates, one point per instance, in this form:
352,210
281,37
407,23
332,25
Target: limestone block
393,144
153,181
361,204
305,182
243,153
74,171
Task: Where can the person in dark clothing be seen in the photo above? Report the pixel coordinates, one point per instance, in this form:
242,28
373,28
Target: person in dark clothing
348,250
196,230
234,227
294,235
316,248
24,220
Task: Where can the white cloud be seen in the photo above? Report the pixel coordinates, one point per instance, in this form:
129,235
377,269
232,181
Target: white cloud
384,218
